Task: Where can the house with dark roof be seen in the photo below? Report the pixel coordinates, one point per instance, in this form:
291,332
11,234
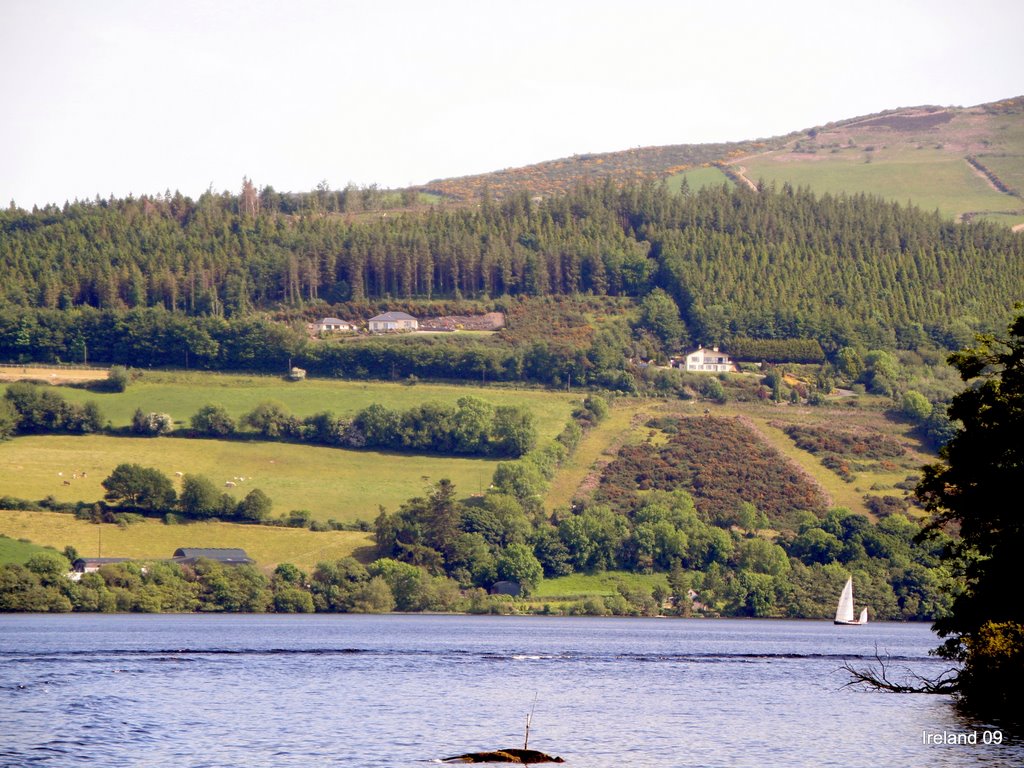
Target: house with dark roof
224,556
182,556
392,321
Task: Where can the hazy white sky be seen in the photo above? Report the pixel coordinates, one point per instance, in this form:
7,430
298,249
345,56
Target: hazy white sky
138,96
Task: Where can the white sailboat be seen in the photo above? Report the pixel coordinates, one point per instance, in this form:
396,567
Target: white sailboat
844,611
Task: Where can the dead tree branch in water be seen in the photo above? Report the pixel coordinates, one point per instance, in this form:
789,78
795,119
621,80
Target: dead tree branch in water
879,677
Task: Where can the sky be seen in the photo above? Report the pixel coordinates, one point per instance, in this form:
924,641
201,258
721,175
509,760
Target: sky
119,97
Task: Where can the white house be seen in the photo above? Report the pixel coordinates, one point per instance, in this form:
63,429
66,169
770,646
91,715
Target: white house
710,361
393,321
333,324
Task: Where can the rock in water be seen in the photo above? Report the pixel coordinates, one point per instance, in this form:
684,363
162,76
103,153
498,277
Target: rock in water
520,756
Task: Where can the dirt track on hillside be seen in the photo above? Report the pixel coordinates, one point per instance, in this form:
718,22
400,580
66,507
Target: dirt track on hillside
52,375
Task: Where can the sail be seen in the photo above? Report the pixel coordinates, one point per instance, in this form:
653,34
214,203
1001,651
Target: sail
863,617
844,612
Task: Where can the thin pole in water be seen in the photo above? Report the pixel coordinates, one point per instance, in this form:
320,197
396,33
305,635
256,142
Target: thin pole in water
529,719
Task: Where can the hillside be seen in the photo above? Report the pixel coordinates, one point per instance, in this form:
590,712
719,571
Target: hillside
149,283
964,162
765,486
761,504
625,167
351,484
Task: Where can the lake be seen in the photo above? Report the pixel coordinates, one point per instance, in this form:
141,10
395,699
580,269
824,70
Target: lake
400,691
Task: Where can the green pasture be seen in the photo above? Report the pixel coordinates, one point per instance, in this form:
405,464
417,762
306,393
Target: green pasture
930,178
1004,219
14,551
579,585
1009,169
329,482
152,540
698,178
182,394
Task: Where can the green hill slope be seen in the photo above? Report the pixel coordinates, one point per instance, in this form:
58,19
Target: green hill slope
963,162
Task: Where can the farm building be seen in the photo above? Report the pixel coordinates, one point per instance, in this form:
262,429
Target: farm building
393,321
182,556
513,588
224,556
333,325
93,564
709,361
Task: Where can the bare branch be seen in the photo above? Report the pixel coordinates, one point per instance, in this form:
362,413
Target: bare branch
880,677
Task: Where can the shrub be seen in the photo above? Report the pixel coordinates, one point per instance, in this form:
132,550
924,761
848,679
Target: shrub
916,407
153,424
118,378
214,421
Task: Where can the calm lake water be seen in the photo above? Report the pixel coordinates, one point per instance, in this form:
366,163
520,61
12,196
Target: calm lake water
402,691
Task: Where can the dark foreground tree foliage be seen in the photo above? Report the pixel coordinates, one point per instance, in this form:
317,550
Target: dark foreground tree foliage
976,488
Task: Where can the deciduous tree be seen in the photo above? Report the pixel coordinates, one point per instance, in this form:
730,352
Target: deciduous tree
976,487
139,486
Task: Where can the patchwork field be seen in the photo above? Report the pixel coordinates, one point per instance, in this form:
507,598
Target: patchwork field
152,539
582,474
931,179
961,162
181,394
329,482
352,485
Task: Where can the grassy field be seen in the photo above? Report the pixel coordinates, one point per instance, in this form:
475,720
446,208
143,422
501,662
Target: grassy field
352,485
580,473
698,178
1009,169
329,482
1014,221
14,551
929,178
152,539
181,394
579,585
598,446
